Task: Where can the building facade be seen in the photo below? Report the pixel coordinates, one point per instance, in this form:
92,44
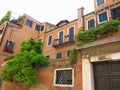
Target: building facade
100,59
13,32
98,62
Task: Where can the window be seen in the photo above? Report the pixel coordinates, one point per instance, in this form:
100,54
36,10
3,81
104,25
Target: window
60,41
1,30
68,53
50,40
91,23
42,28
9,46
100,2
59,56
71,34
47,56
115,13
29,23
37,27
103,17
64,77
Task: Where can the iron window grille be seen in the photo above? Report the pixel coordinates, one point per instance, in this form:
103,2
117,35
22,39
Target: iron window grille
64,77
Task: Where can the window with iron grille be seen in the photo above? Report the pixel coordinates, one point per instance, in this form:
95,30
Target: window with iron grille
64,77
59,56
103,17
29,23
91,23
100,2
9,46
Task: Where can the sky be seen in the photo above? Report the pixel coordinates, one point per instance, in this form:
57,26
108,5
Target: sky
51,11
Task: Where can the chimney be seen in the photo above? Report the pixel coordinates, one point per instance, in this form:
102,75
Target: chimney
80,17
80,12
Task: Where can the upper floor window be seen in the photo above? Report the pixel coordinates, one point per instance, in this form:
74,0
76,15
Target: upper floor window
103,17
71,34
91,23
50,40
1,30
9,46
100,2
115,13
29,23
60,41
42,28
37,27
64,77
59,56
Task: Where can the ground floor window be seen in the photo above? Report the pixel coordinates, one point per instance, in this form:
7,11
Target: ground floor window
64,77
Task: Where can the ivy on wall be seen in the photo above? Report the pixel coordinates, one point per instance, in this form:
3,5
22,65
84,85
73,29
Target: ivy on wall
91,35
73,56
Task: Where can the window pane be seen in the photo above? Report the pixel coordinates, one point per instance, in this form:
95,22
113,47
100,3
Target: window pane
99,2
64,77
59,56
115,13
103,17
91,23
68,53
37,27
50,40
29,23
9,46
42,28
71,34
60,37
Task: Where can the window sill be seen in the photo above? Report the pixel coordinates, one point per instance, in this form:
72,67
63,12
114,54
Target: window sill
10,51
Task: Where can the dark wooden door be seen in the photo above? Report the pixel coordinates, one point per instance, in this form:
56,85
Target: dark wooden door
107,75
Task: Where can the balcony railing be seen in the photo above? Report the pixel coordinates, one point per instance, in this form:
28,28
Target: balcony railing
66,41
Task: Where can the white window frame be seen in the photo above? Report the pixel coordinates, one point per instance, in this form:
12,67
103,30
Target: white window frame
103,21
62,84
101,4
68,31
89,20
48,40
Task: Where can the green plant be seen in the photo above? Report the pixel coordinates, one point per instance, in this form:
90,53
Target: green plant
90,35
86,37
73,56
6,17
22,68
